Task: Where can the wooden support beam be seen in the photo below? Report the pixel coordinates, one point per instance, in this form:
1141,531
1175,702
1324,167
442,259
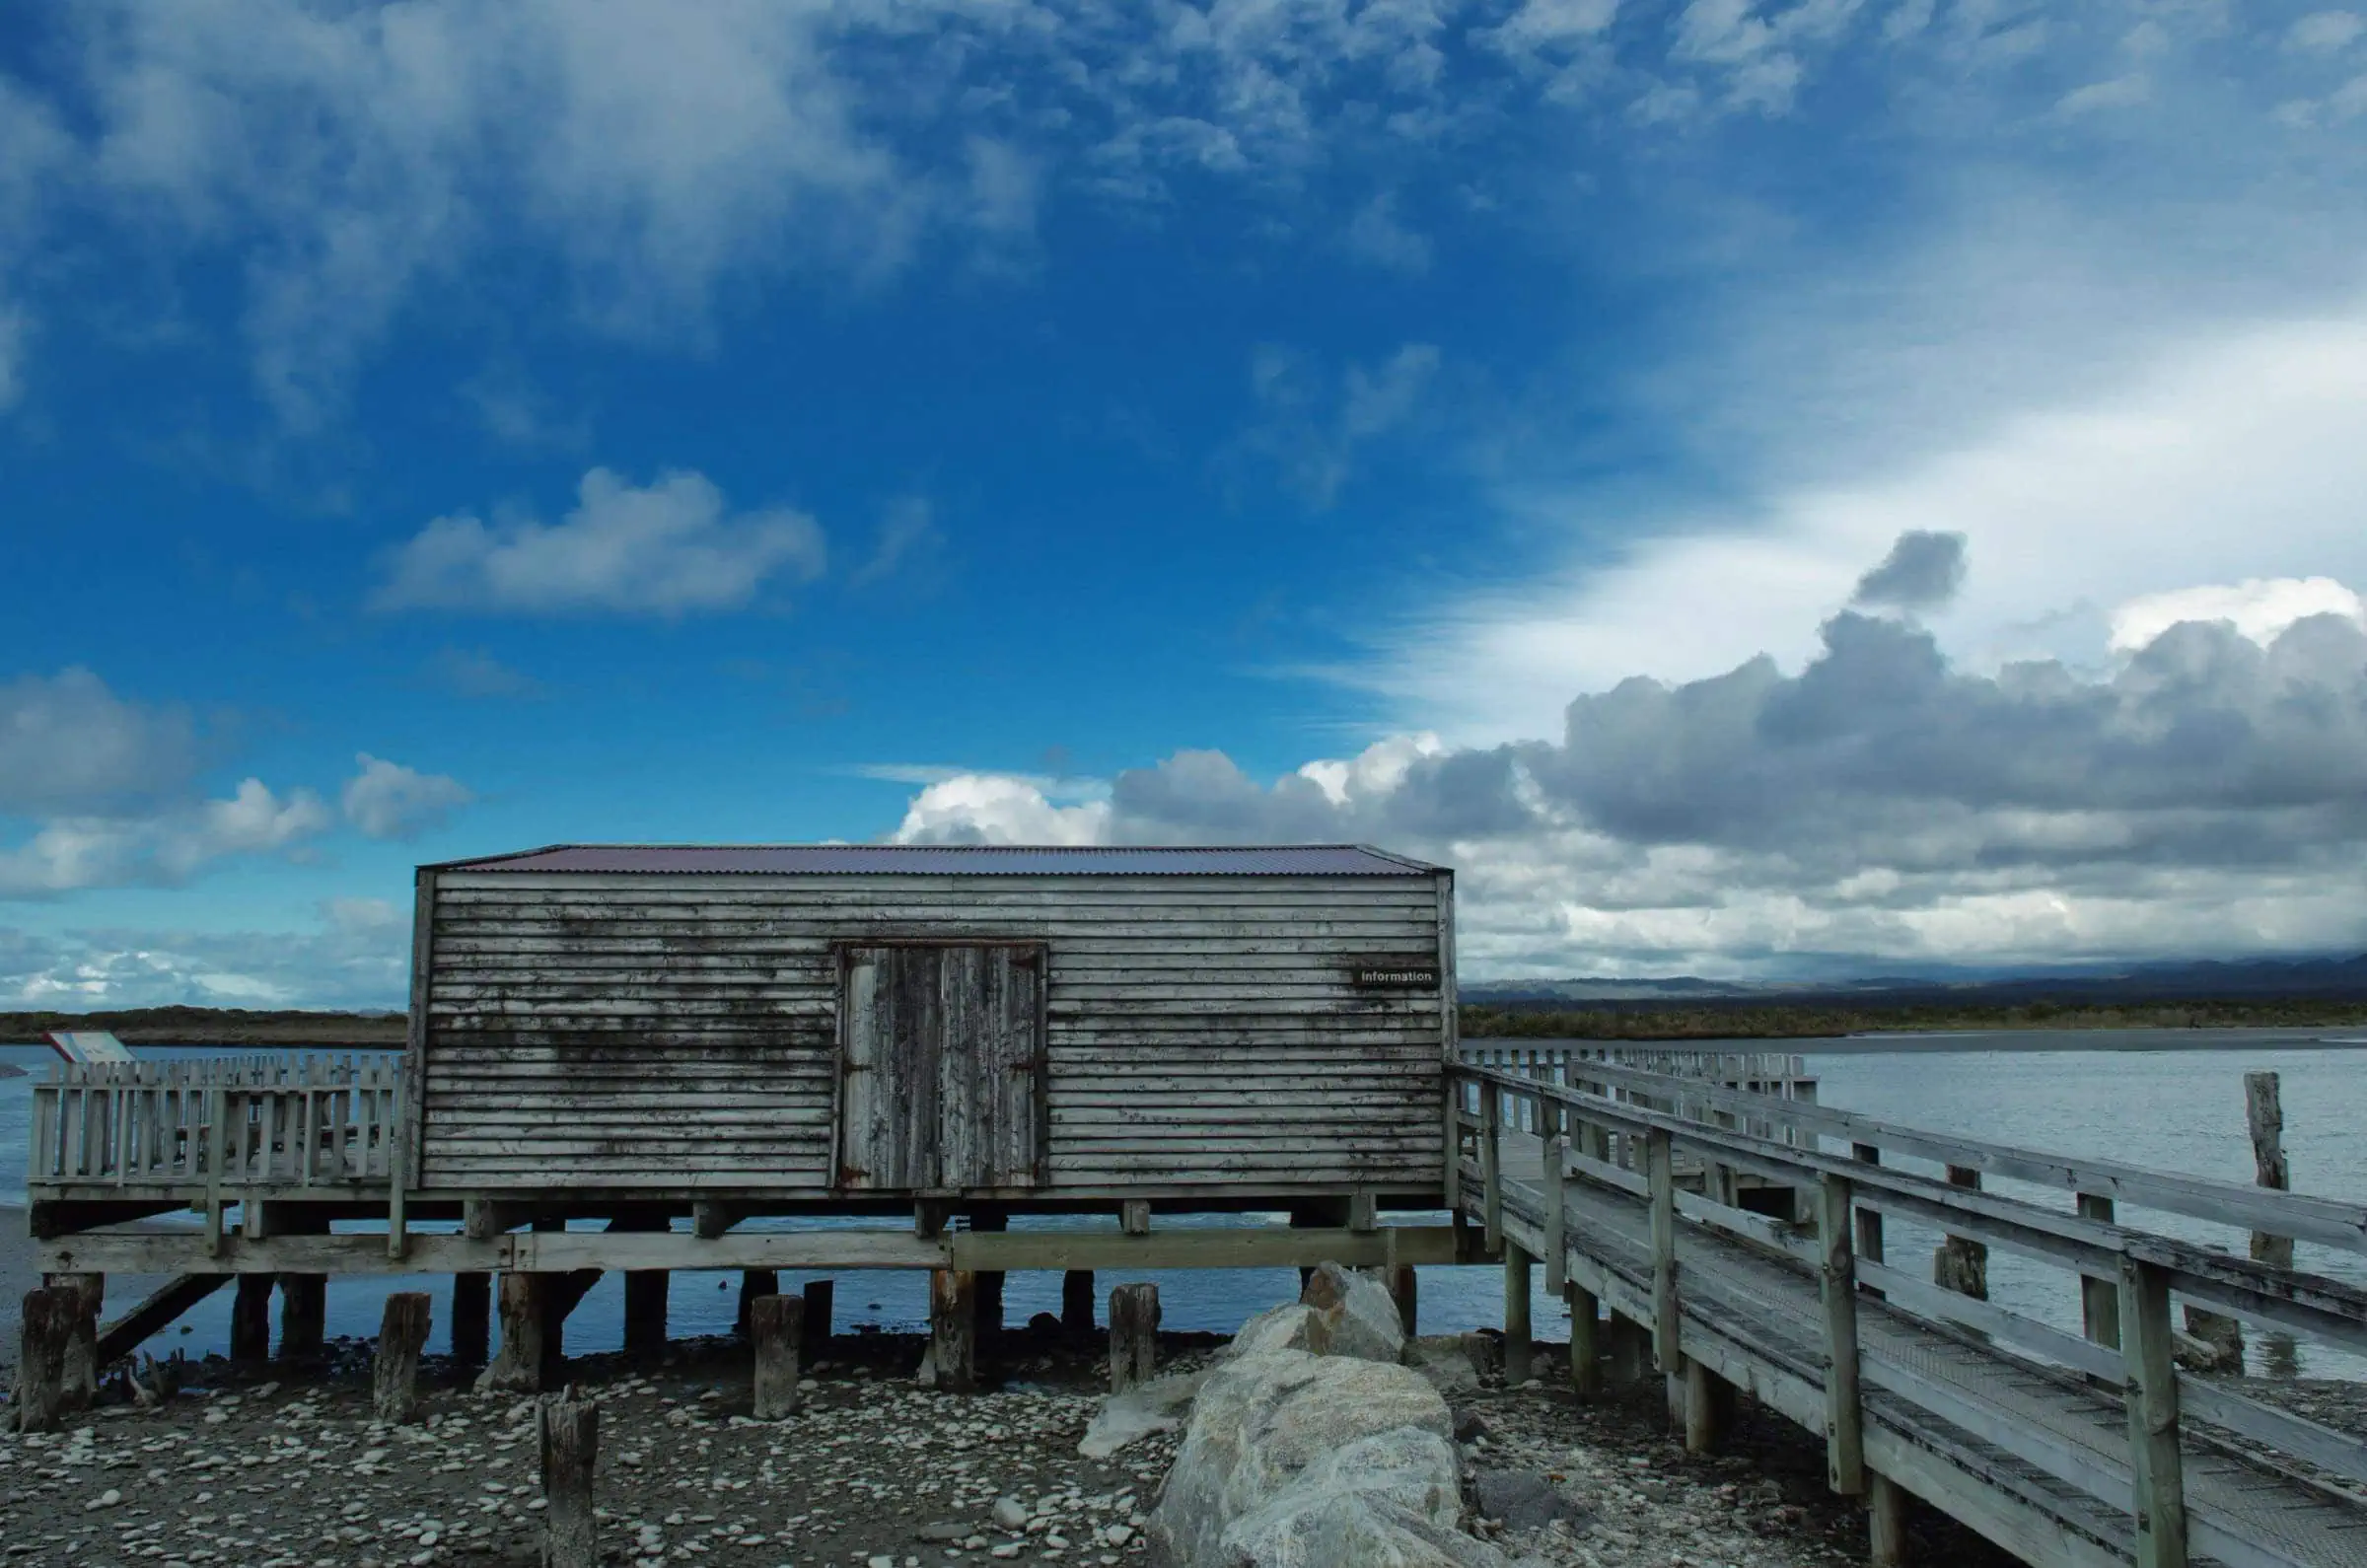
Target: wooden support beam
48,1322
2155,1465
821,1300
1886,1521
1627,1348
2099,1299
1586,1347
1134,1216
483,1219
1364,1212
1708,1408
710,1220
1520,1334
1406,1288
1076,1301
303,1315
775,1334
992,1221
953,1329
753,1283
1844,1412
79,1377
1133,1335
1962,1264
1491,1165
471,1317
570,1457
394,1372
169,1300
1869,1221
2264,1118
646,1292
250,1320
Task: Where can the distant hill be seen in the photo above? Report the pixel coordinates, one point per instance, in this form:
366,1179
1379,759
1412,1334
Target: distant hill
2336,978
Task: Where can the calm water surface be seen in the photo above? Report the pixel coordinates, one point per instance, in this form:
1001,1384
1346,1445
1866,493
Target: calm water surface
2172,1109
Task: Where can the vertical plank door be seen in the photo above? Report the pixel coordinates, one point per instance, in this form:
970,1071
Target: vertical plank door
943,1066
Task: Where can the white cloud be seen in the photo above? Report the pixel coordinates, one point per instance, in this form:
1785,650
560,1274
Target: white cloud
667,549
2120,92
2326,32
70,853
387,800
68,743
2259,609
909,540
359,957
1378,237
997,808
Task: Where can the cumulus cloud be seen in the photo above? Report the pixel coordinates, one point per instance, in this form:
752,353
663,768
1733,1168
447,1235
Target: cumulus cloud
2207,795
1923,571
67,741
358,955
165,848
387,800
2259,609
667,549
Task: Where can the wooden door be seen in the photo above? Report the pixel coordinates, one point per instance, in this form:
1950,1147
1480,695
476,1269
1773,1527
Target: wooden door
943,1066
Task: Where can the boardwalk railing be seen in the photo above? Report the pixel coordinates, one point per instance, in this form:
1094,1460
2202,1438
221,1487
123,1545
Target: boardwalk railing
2082,1448
293,1120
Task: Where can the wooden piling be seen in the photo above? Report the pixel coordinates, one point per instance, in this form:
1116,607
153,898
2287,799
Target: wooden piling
1886,1521
471,1317
303,1315
520,1365
1962,1264
775,1333
1586,1350
2099,1299
1627,1346
821,1302
570,1456
1076,1301
753,1283
1520,1334
79,1374
1709,1408
395,1374
49,1320
646,1291
2156,1467
991,1280
2264,1116
1406,1290
953,1329
1133,1335
250,1320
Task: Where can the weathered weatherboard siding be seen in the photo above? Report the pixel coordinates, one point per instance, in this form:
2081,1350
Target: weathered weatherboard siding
681,1032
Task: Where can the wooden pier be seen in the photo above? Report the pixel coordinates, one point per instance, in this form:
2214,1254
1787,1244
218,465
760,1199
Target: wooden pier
2080,1450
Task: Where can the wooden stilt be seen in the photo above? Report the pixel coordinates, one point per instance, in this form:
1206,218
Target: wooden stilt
991,1280
471,1317
303,1315
520,1365
48,1322
1886,1521
2156,1468
1629,1351
1133,1335
821,1302
2265,1116
1076,1301
753,1283
1405,1286
570,1456
394,1376
775,1332
646,1291
1520,1334
250,1320
952,1327
1962,1264
79,1375
1708,1408
1586,1349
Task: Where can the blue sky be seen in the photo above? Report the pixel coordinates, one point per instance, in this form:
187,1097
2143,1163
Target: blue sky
1466,427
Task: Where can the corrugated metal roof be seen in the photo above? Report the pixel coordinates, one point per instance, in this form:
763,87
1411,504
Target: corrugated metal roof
959,860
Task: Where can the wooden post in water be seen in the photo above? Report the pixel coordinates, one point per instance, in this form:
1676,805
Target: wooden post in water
953,1329
48,1322
1520,1333
1133,1335
646,1291
1962,1264
821,1302
250,1320
471,1317
775,1330
2265,1114
570,1456
1076,1301
2156,1467
395,1375
989,1221
753,1283
78,1377
1406,1290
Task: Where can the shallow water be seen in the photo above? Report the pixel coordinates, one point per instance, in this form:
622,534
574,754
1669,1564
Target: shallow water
2143,1101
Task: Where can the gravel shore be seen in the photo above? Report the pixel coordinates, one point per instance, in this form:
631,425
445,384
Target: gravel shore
288,1468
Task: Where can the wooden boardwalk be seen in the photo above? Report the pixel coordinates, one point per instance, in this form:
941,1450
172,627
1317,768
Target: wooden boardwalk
2063,1450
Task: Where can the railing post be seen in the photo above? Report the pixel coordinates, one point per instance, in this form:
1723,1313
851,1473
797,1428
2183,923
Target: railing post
2155,1465
1845,1413
1491,1171
217,1111
1557,1199
2099,1299
1454,1132
1661,1170
1869,1220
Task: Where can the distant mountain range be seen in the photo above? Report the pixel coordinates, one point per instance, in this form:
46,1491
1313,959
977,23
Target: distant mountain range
2259,978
